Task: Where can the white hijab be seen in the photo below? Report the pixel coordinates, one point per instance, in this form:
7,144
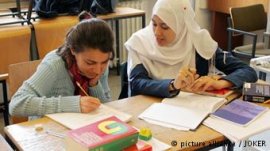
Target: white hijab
179,16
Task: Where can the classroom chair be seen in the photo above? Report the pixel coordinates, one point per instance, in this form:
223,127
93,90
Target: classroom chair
50,33
124,81
18,73
14,48
244,21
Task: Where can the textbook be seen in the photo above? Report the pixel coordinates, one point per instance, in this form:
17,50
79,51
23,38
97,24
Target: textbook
104,135
183,112
239,112
256,92
76,120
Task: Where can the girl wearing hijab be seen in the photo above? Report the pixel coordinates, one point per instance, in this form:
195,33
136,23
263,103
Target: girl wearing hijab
73,78
174,53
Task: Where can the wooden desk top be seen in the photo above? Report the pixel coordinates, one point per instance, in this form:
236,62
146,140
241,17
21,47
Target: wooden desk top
4,4
25,137
122,12
223,6
4,76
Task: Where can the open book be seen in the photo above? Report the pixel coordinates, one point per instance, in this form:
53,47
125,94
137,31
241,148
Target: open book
240,112
183,112
77,120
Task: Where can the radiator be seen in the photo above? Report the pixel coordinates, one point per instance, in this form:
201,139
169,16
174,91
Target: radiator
127,27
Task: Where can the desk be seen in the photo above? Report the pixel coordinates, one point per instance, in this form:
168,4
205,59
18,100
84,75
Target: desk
220,12
25,137
120,13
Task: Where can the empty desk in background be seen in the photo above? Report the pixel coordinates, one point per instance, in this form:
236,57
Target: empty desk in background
122,13
14,48
220,12
25,137
41,29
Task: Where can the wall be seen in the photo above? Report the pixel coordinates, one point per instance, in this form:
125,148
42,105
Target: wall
203,15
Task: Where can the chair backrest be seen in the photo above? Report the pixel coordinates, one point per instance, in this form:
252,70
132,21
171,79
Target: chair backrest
249,18
18,73
14,45
50,34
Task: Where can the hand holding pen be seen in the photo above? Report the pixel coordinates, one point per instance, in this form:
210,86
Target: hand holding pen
87,102
185,78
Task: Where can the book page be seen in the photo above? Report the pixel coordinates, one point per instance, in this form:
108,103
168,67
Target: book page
174,115
196,101
76,120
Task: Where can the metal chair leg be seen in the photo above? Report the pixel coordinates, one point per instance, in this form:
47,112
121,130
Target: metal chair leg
5,110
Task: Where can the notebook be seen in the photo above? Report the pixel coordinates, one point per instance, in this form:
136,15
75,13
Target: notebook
77,120
235,132
239,112
183,112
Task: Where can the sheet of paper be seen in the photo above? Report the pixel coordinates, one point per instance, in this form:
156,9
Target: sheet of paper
76,120
263,137
158,145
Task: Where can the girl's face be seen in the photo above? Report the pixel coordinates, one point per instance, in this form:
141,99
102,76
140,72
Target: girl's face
163,33
92,62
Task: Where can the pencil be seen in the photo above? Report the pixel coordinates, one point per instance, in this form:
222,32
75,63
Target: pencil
266,102
79,85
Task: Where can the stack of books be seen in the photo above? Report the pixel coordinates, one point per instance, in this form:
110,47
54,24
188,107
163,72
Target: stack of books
106,135
256,92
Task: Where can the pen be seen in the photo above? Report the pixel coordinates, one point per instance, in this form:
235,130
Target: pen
79,85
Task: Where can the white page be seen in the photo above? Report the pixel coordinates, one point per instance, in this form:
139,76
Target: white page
264,136
181,128
76,120
236,133
158,145
178,116
196,101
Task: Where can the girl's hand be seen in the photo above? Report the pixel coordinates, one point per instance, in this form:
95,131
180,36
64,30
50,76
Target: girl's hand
205,83
185,78
89,104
